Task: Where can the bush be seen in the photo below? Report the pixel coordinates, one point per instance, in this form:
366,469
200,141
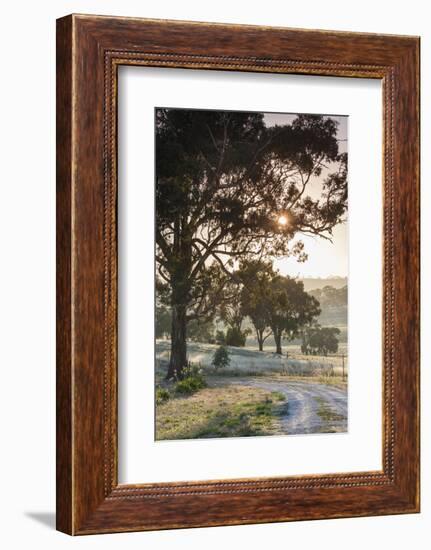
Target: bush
193,370
189,385
220,338
221,358
235,337
162,395
198,331
278,396
192,382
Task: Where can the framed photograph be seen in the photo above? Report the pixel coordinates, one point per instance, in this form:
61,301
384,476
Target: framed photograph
237,274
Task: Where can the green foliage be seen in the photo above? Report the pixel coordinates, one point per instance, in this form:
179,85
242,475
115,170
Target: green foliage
330,296
220,337
162,395
320,340
278,396
236,337
193,370
289,306
190,385
199,331
221,358
163,321
275,303
192,381
264,409
231,310
327,414
255,277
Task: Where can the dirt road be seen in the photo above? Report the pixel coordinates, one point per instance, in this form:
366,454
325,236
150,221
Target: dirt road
311,407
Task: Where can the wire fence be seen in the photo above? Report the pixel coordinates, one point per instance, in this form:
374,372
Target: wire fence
329,365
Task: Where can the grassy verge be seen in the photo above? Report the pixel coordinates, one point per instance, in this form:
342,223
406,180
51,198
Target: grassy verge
336,381
328,416
225,411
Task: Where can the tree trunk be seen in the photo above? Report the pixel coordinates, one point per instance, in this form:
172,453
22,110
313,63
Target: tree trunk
277,338
179,301
259,335
178,360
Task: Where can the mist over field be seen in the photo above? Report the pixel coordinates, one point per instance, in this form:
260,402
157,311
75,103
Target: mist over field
313,283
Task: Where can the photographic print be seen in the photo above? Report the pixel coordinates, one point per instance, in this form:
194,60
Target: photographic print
251,270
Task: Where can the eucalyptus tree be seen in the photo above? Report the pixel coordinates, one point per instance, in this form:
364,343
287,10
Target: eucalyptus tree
289,308
255,277
277,305
320,340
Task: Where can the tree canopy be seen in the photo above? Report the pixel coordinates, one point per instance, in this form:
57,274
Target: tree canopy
320,340
289,308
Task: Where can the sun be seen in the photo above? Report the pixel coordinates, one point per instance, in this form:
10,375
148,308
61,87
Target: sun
282,220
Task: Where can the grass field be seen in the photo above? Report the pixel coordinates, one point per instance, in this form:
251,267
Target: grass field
221,411
251,362
258,393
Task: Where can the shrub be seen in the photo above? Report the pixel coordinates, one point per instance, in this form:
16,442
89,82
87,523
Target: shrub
192,382
193,370
235,337
198,331
278,396
263,409
220,338
221,358
190,385
162,395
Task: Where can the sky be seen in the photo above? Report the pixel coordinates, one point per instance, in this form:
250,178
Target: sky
325,259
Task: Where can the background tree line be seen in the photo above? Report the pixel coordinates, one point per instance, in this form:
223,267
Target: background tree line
276,306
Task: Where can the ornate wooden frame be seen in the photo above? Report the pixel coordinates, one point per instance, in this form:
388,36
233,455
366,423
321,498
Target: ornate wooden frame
89,51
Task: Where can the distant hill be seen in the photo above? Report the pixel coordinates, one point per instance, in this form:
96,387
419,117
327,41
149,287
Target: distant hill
317,282
333,305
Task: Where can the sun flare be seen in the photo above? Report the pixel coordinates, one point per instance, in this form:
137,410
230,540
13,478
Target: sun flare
282,220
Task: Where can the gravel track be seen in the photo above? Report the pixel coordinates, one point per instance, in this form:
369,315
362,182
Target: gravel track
311,407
